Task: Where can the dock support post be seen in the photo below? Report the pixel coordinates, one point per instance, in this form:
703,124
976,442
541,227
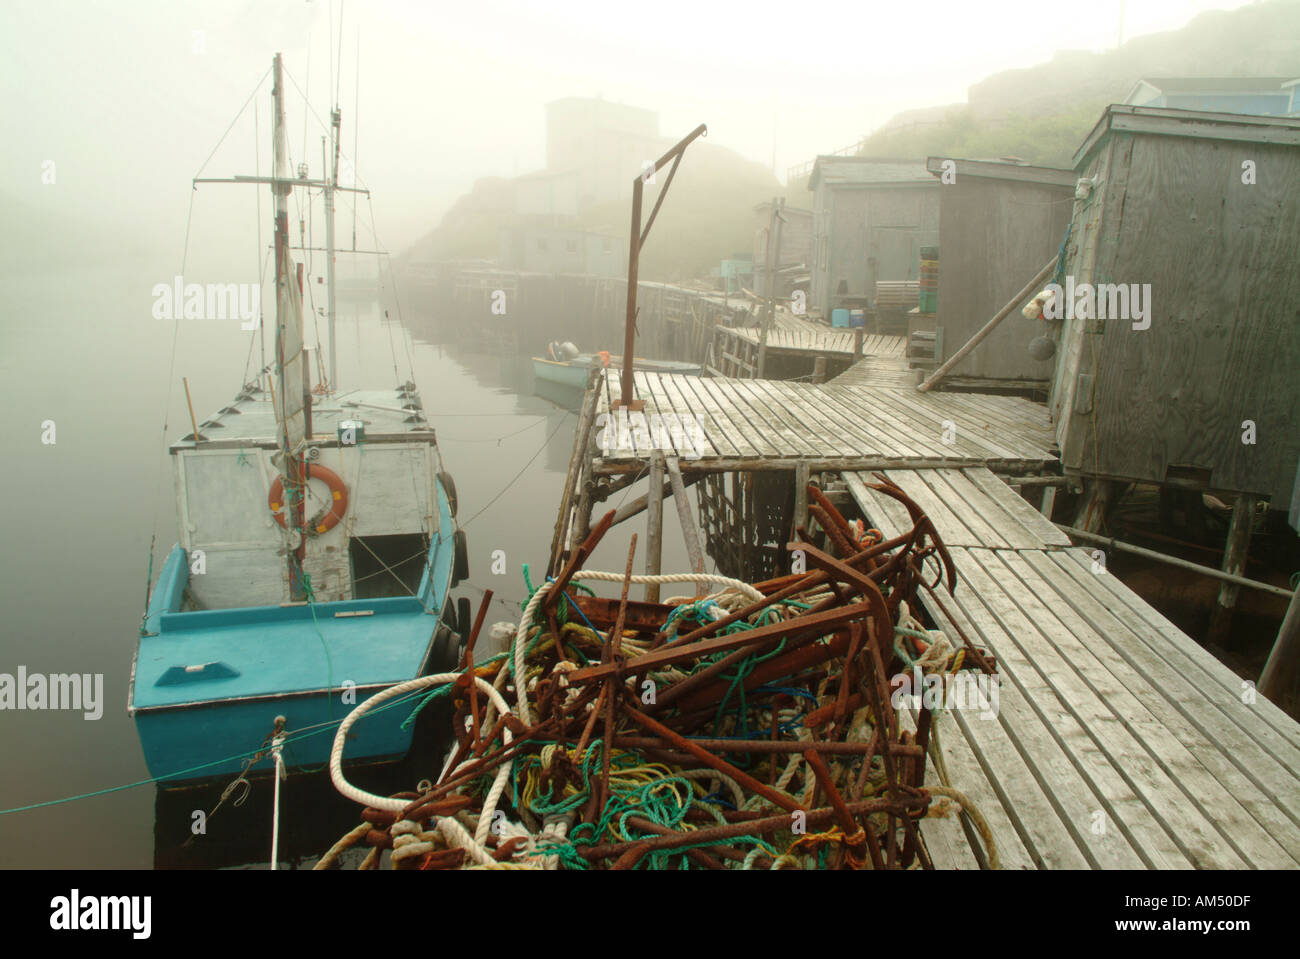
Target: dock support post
654,524
1234,564
1094,505
1280,680
801,475
819,370
694,545
1048,502
579,471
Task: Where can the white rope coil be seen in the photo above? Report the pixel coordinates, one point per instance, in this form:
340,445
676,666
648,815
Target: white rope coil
421,682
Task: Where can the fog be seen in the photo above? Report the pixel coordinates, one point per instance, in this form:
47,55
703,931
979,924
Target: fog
129,99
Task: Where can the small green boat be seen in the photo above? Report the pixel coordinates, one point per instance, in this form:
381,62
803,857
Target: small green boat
573,372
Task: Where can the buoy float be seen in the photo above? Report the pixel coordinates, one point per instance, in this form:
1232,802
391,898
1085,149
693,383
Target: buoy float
449,487
460,558
325,521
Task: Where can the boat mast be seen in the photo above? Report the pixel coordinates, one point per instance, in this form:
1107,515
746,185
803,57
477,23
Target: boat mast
288,351
331,183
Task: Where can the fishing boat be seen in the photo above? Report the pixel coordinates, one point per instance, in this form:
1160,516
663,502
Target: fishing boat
565,366
318,546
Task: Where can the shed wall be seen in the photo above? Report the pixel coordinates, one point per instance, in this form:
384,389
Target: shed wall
1223,347
994,235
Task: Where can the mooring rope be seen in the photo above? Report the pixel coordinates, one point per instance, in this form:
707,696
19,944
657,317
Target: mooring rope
277,746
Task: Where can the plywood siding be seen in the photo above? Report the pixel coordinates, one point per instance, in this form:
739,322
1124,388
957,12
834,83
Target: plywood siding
862,234
1223,347
993,236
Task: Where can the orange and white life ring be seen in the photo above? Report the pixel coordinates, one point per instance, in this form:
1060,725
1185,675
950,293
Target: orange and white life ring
324,521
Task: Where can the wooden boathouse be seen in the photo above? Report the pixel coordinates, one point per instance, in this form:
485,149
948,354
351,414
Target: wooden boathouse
870,220
999,222
1198,215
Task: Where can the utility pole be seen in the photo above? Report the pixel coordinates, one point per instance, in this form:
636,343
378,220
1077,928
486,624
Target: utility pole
773,264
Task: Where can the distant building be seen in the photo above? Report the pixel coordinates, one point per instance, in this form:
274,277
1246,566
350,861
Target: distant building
796,247
547,194
605,144
870,220
539,248
1260,96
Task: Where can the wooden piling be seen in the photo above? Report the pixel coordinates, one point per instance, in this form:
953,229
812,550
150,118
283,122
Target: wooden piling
1280,680
573,480
1094,504
1234,564
654,524
694,546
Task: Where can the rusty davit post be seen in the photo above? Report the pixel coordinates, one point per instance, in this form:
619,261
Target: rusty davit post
635,241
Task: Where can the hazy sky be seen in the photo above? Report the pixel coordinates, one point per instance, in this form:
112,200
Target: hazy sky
129,97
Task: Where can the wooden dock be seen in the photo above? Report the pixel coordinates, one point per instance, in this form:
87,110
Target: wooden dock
794,348
889,372
1111,738
1118,741
815,339
764,425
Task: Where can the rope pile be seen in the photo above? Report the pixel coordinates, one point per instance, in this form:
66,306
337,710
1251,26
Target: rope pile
750,728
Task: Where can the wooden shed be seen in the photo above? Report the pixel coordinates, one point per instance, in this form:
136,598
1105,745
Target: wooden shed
870,220
1202,212
999,222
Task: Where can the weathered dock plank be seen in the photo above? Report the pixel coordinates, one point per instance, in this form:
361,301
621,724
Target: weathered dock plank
886,372
969,507
1119,742
748,425
802,336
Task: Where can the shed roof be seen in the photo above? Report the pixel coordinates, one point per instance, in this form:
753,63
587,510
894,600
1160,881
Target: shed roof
1215,84
1163,121
865,171
1003,170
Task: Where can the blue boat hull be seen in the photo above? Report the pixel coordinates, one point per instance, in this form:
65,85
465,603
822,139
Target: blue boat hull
207,686
177,742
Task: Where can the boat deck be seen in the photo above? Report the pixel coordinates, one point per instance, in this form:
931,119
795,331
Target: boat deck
252,419
748,424
1118,742
266,650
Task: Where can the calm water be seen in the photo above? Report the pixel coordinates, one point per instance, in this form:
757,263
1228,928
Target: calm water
76,518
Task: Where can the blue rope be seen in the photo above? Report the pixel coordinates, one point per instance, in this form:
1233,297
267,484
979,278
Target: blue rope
1059,275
